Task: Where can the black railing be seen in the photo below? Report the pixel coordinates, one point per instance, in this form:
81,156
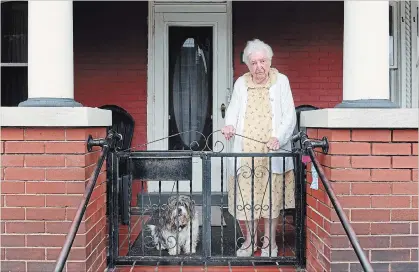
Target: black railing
171,172
308,146
107,145
219,198
176,166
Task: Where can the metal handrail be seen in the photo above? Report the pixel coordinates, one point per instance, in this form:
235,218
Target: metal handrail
309,145
107,145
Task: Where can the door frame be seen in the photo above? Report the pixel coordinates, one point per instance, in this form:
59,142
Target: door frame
158,98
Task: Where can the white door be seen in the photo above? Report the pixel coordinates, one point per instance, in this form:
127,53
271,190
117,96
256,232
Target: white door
191,67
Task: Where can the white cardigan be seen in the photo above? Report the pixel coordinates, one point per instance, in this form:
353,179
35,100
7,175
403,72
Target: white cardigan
283,118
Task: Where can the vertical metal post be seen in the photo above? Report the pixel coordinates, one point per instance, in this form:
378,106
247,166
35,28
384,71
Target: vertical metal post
284,221
113,211
159,209
302,211
252,207
235,205
299,229
222,204
190,224
129,185
142,217
270,206
206,205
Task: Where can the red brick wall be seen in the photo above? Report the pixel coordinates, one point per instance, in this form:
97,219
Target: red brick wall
374,173
307,40
44,174
110,57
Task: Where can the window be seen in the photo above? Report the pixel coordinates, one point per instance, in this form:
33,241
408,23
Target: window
415,53
403,49
14,52
394,39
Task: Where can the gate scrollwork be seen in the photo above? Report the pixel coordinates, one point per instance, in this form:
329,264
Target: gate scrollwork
218,145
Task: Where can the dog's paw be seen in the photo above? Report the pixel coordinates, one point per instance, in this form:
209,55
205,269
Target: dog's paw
172,252
152,229
160,247
187,250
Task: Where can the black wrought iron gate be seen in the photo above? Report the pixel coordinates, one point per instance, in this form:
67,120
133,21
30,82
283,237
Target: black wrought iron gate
220,235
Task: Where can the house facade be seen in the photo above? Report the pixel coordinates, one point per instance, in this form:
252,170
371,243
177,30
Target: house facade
357,61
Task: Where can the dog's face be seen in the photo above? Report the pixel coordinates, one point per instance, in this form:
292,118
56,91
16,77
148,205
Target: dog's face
180,211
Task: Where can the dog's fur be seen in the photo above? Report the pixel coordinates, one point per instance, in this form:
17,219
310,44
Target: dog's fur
178,221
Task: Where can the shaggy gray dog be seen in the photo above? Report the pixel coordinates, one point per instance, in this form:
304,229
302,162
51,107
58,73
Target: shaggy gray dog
177,227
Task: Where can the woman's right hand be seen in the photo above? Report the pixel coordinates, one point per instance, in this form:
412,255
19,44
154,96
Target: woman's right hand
228,131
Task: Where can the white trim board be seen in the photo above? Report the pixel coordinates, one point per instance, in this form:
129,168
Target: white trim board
360,118
55,117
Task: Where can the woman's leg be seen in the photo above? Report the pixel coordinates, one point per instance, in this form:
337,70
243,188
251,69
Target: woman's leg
270,233
249,231
274,211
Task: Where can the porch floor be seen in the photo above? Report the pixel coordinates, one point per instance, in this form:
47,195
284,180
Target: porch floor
289,246
133,268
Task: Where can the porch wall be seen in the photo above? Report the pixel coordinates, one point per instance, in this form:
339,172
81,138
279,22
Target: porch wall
374,173
110,58
110,51
307,41
44,172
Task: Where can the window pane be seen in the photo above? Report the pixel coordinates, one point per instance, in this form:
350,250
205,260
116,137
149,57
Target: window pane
391,36
14,32
14,85
391,20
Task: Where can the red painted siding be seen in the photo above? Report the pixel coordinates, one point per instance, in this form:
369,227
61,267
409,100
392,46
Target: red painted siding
110,57
307,40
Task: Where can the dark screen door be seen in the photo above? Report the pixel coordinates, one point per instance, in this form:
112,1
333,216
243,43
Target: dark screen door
190,87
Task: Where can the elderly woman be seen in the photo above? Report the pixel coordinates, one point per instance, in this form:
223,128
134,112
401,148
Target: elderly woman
261,109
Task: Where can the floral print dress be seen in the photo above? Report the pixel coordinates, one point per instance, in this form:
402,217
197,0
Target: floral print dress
258,126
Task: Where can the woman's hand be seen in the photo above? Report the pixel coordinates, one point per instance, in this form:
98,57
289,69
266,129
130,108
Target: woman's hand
228,131
273,143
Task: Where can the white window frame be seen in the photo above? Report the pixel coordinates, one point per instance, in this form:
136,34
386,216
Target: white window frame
394,68
415,53
403,72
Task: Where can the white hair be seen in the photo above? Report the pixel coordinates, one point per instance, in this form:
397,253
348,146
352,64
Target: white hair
254,46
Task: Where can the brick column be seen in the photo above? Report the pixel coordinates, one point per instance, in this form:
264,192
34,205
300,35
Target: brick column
44,173
374,173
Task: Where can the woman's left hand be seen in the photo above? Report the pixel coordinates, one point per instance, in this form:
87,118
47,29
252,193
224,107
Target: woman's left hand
273,143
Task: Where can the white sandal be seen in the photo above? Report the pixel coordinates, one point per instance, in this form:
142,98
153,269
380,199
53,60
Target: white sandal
265,252
246,252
